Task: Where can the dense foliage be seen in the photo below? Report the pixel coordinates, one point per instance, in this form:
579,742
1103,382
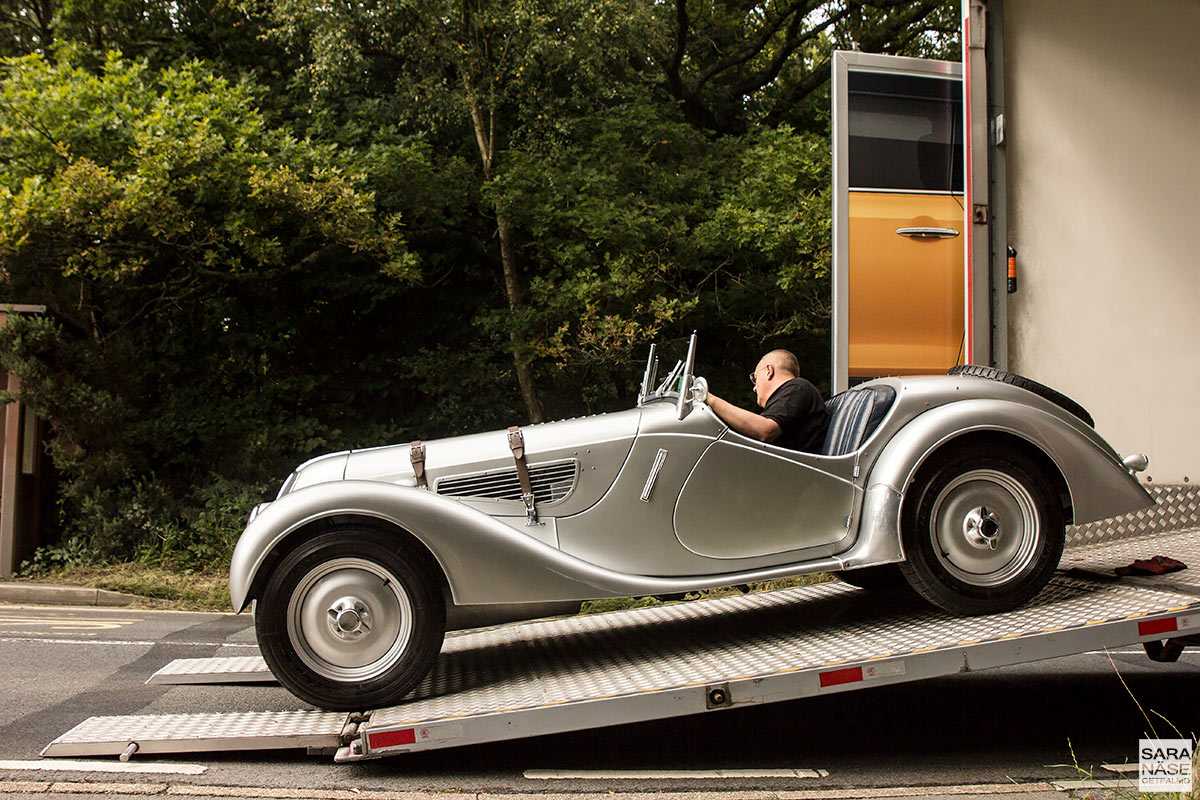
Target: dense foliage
268,229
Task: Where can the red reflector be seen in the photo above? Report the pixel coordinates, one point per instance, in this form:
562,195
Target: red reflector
836,677
1158,626
378,741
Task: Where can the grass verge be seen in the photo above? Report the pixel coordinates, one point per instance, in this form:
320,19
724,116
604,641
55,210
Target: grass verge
154,587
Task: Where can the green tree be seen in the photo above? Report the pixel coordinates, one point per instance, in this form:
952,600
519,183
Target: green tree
733,65
196,264
480,74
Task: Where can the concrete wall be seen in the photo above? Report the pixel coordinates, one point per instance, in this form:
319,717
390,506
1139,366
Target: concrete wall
1103,144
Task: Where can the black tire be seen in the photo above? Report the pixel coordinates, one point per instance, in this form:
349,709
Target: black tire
982,532
1041,390
351,619
884,577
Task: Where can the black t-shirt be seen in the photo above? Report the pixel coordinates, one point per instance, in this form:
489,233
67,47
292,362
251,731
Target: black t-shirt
798,409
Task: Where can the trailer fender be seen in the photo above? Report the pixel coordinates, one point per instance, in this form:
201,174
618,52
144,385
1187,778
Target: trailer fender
1098,484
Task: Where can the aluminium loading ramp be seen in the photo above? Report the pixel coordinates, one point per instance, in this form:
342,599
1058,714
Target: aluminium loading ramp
229,669
575,673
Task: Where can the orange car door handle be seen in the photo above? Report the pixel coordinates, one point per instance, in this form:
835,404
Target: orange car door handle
928,233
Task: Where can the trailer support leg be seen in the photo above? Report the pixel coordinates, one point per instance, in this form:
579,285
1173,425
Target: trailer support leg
1167,652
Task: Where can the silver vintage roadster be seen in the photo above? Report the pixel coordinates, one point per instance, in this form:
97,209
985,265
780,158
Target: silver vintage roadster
959,486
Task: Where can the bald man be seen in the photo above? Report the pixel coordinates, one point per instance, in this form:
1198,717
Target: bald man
793,414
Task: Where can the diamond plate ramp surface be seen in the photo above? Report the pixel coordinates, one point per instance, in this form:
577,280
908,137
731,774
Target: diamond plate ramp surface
186,733
1102,558
627,653
232,669
1176,507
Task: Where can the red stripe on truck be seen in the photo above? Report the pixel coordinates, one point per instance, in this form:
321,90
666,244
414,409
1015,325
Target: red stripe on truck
378,741
836,677
1157,626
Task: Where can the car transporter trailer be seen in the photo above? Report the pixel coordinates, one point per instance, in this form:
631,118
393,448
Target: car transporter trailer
707,656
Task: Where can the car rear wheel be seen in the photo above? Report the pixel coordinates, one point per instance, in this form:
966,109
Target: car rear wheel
351,619
983,532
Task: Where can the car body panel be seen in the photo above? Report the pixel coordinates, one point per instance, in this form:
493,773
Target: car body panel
1098,484
787,505
485,561
331,467
717,509
603,440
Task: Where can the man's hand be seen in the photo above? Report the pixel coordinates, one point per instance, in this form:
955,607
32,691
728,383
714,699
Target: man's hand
747,423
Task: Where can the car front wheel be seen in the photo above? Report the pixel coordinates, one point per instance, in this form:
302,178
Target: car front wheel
351,619
983,532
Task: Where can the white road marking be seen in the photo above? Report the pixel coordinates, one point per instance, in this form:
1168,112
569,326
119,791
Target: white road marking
63,765
114,621
668,774
1113,783
1134,652
118,641
1121,767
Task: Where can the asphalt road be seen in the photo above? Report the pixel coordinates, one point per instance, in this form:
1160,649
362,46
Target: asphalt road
62,665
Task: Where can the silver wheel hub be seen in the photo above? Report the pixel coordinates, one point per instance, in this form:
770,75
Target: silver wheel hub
981,528
985,527
350,619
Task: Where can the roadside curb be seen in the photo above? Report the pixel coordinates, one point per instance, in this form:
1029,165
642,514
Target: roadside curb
43,594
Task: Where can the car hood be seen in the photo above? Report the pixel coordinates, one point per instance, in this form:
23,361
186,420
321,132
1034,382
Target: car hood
599,442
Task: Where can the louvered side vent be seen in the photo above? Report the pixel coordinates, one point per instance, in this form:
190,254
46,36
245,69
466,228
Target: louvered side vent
551,482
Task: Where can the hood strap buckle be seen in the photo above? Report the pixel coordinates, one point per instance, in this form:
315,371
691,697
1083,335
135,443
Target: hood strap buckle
416,454
516,443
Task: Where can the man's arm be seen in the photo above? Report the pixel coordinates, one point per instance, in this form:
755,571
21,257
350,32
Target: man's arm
747,423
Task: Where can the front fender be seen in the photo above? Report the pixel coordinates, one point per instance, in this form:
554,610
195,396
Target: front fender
480,556
1098,484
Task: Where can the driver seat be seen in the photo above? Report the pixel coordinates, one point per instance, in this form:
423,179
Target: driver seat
853,417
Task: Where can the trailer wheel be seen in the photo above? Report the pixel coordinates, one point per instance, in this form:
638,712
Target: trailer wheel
351,619
983,532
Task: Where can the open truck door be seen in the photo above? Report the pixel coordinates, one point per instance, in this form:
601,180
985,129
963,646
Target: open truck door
898,219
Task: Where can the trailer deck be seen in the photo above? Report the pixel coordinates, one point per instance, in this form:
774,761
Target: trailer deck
574,673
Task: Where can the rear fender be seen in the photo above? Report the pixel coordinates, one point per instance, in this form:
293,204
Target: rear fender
1098,484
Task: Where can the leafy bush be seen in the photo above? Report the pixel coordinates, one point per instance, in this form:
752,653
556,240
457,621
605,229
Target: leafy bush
196,264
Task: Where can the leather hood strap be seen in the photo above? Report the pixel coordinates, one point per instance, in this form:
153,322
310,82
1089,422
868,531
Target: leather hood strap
516,443
416,454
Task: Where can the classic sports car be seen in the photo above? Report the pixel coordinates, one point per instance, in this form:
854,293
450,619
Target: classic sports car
959,485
